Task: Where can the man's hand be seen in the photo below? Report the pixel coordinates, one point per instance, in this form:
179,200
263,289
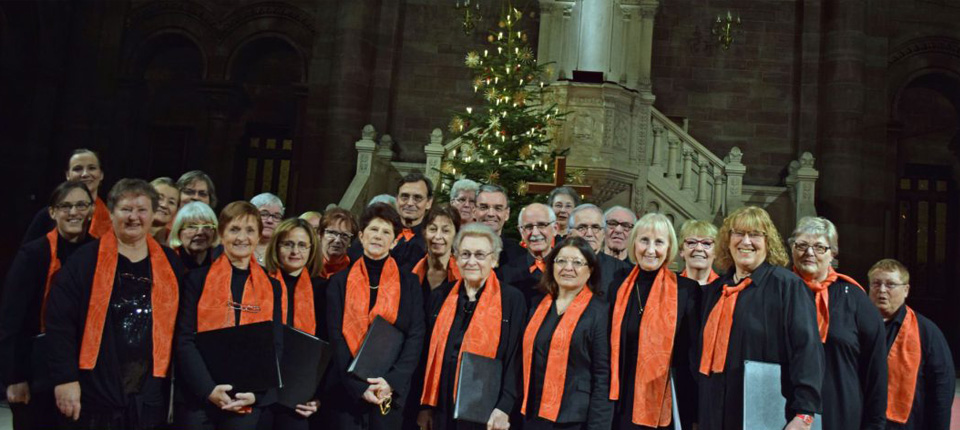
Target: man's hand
307,409
18,393
498,420
68,399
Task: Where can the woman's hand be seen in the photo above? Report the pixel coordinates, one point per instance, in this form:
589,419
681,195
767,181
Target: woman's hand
797,424
498,420
378,391
307,409
241,403
219,396
425,419
68,399
18,393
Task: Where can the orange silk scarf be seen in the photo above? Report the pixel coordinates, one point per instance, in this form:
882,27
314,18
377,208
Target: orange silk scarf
822,293
357,315
51,270
710,278
903,366
100,224
453,273
304,318
216,308
716,333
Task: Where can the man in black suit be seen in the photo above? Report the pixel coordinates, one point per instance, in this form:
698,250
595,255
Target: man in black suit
537,225
586,221
493,209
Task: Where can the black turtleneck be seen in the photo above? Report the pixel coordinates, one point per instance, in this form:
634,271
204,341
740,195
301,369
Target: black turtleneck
374,268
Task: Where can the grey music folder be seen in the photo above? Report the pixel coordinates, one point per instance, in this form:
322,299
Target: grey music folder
763,403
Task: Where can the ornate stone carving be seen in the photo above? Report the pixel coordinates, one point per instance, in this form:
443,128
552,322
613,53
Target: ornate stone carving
924,45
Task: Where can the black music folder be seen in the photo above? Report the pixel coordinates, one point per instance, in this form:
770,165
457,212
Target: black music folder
305,359
478,388
379,350
243,356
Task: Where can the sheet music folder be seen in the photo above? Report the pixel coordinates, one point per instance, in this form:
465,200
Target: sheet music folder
378,352
243,356
764,406
305,359
478,388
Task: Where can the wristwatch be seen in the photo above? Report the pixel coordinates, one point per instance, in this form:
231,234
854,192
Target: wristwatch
807,419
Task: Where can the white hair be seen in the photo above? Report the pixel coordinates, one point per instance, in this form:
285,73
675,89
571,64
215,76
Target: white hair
384,198
581,208
195,211
463,185
267,199
550,213
619,208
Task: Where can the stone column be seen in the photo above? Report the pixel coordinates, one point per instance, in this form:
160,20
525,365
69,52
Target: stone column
434,151
801,180
593,50
703,193
647,12
686,175
734,170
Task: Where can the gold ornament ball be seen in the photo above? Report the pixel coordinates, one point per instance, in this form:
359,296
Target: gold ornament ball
522,188
490,38
502,24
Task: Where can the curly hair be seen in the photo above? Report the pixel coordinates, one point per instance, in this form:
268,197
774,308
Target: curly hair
751,218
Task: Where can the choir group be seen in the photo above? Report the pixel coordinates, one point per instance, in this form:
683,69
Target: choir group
106,303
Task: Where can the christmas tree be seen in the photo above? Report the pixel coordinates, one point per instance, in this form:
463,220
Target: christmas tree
505,141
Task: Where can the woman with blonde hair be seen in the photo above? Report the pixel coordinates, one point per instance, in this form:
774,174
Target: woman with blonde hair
697,240
194,235
759,311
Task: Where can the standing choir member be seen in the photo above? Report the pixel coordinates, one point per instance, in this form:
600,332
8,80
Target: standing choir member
855,383
493,210
654,325
566,348
337,229
110,320
537,226
194,235
463,197
438,269
84,166
196,186
373,286
562,200
697,252
477,315
759,311
414,199
232,291
291,257
586,221
166,208
25,295
271,213
619,222
921,377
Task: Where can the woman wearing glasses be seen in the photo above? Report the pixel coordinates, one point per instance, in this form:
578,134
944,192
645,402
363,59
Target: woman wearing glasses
566,348
463,198
373,286
697,239
478,315
654,323
337,229
25,293
271,213
854,385
232,291
110,318
291,258
194,235
759,311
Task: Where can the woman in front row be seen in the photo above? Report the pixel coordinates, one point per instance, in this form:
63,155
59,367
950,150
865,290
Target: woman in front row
654,325
477,315
291,257
566,348
233,291
373,286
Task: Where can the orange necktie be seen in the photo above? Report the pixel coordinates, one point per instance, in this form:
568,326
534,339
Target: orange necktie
407,234
716,334
538,264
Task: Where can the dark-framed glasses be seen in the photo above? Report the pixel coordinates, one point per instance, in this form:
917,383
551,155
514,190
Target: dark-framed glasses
338,235
582,228
753,235
267,215
692,243
540,225
612,224
817,248
881,285
67,206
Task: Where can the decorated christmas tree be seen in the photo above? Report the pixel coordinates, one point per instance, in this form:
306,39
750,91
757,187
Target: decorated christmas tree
506,139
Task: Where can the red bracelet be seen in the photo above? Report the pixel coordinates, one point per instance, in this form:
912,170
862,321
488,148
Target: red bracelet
807,419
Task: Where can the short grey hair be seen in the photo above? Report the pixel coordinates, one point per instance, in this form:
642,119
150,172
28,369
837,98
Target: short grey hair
619,208
550,213
818,226
163,180
194,211
198,175
463,185
581,208
265,199
384,198
567,191
493,188
476,229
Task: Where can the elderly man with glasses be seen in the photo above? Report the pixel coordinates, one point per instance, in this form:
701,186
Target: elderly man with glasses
618,221
586,221
537,225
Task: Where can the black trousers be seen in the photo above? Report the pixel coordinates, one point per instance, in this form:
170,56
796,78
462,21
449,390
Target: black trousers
40,413
209,417
133,417
279,417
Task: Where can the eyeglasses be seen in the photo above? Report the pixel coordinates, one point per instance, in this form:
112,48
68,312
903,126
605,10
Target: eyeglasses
190,192
561,206
417,198
67,207
614,224
881,285
692,243
576,263
198,227
753,235
485,208
267,215
480,256
289,245
540,225
337,235
818,249
582,228
464,200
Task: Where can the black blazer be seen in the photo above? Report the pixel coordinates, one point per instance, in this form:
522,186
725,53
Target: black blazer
586,390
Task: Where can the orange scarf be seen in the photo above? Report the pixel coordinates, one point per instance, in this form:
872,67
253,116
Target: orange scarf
304,318
357,315
652,404
538,264
332,267
716,333
556,372
407,234
453,273
164,297
710,278
903,366
101,223
216,308
482,336
52,270
823,297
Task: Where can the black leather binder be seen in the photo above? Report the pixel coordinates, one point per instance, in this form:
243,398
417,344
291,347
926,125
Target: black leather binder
478,388
305,359
378,352
243,356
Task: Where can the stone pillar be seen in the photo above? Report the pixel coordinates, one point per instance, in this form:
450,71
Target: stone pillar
801,181
595,29
557,36
686,175
703,193
734,171
647,11
657,146
718,189
434,151
673,156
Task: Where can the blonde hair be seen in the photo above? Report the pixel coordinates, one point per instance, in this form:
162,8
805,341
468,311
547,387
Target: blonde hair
750,218
657,222
695,227
890,265
272,256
